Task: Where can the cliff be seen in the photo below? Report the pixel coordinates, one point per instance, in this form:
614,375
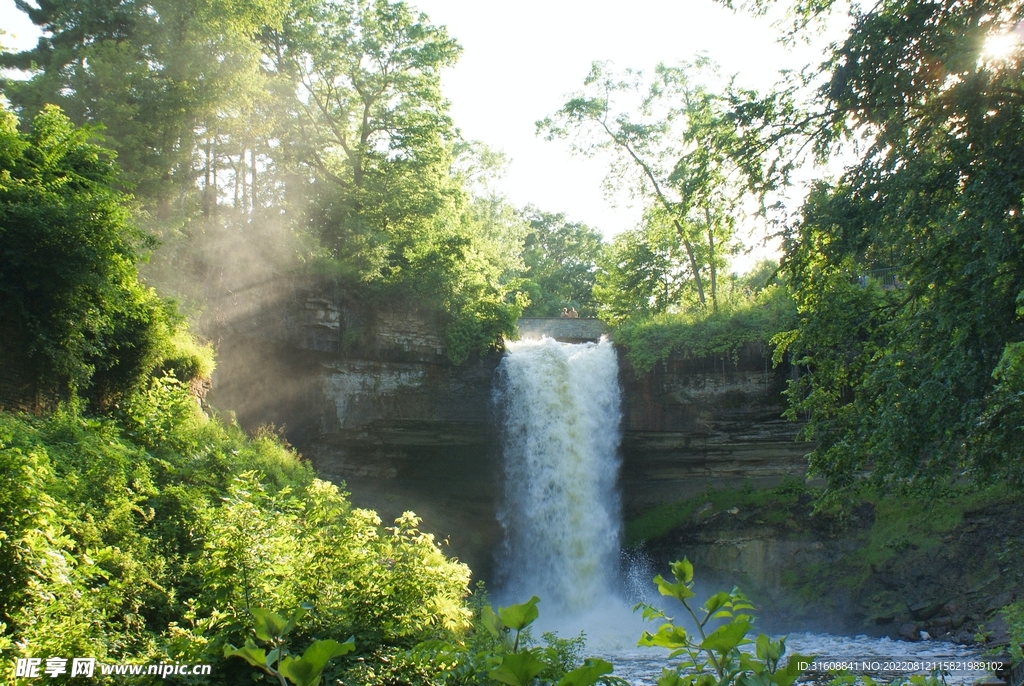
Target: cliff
691,424
369,396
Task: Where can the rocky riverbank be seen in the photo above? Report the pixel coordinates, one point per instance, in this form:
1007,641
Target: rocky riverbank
902,567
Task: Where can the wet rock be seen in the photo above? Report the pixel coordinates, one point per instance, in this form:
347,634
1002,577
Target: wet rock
926,609
1000,601
963,637
981,585
908,632
997,632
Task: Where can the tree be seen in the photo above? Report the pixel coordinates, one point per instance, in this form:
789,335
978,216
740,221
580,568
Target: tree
154,74
908,271
642,273
561,263
680,146
374,126
72,306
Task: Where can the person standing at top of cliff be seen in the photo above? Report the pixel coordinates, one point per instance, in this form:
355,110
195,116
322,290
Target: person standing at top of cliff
573,314
565,312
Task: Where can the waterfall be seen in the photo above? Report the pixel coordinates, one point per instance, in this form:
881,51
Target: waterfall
560,410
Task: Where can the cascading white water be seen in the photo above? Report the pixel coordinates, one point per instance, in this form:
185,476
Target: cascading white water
560,407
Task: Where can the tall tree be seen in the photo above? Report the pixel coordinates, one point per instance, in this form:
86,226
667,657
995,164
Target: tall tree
909,271
373,124
680,146
643,272
561,262
150,72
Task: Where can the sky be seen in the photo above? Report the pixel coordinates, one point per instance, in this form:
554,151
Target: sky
521,59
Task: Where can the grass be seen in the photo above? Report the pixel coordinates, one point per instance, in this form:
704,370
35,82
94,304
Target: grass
662,519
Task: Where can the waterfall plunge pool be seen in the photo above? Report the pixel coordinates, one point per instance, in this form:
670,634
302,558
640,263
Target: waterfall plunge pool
560,512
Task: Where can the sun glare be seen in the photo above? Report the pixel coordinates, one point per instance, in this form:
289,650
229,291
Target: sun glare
1000,46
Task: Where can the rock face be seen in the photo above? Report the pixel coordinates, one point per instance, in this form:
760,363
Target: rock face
690,424
868,570
566,329
371,399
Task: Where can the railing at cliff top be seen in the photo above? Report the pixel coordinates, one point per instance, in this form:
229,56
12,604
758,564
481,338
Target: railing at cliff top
565,329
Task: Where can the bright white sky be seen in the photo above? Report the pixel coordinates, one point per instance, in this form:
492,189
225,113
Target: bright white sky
522,58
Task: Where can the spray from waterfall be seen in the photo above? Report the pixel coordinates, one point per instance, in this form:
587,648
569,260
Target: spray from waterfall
560,407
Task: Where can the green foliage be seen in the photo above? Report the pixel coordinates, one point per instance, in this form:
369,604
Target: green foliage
524,666
272,628
388,208
911,375
73,310
755,319
561,261
715,658
153,73
1014,615
309,129
688,154
641,274
267,549
500,649
150,538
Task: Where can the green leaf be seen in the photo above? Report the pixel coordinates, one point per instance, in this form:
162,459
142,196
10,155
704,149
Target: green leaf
650,612
716,601
268,625
792,671
299,613
491,621
588,674
761,647
517,669
520,616
682,570
670,677
754,666
677,590
306,671
257,657
726,637
668,636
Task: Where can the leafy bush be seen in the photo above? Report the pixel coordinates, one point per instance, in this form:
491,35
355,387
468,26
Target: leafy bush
499,649
155,538
72,309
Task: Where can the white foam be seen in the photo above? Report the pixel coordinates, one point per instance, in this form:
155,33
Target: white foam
560,512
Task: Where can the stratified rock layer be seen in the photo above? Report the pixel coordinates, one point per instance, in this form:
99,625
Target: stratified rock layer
715,422
369,396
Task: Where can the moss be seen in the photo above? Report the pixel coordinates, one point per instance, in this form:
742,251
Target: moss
774,506
880,556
